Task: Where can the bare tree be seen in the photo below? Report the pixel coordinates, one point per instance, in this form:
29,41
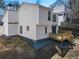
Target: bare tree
1,3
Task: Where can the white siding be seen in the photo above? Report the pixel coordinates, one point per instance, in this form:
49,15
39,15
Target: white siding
12,16
28,34
43,16
13,29
5,28
5,23
10,29
33,15
61,19
40,32
1,30
28,14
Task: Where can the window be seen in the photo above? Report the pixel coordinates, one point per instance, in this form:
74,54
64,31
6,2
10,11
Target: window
54,17
60,14
1,23
21,29
45,30
27,28
54,29
67,19
49,15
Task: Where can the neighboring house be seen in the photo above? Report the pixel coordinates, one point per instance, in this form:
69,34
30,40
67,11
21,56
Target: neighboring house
61,10
57,16
33,21
54,22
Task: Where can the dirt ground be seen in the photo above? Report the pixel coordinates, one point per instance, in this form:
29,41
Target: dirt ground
16,48
71,54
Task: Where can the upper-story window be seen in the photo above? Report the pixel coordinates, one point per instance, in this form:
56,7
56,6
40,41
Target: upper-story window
54,17
49,15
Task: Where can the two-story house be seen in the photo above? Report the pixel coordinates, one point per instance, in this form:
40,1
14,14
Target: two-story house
29,21
33,21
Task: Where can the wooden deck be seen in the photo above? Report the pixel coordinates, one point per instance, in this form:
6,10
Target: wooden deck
61,36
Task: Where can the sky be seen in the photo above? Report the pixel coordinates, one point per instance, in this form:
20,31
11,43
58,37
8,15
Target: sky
43,2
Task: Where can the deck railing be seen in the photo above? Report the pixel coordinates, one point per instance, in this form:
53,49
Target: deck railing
65,24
